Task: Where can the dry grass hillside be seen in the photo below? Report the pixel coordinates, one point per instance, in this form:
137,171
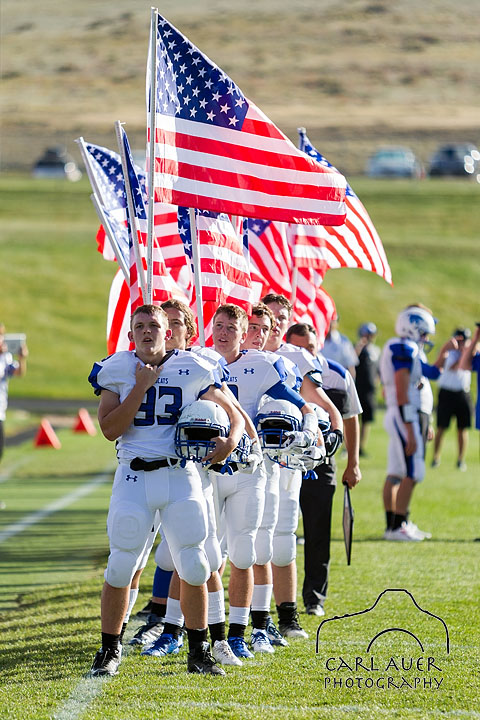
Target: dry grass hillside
356,73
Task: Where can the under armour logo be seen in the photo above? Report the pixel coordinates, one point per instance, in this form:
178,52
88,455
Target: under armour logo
131,477
248,370
182,372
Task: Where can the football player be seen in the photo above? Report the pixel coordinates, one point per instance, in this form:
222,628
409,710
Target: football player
141,394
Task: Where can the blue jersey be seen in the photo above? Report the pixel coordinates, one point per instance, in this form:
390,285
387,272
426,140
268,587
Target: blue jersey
183,379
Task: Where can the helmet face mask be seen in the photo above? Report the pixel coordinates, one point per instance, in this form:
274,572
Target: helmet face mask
324,424
199,423
415,324
275,418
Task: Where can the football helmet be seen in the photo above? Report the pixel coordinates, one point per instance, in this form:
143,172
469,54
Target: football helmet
415,323
198,424
323,419
275,418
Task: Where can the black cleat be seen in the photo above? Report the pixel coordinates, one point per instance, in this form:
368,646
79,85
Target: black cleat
148,633
202,662
145,611
106,662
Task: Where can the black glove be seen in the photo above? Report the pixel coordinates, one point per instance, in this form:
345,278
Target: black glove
333,441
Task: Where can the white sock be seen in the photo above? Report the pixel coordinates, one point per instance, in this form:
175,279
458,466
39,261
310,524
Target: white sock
132,599
262,597
239,615
174,613
216,607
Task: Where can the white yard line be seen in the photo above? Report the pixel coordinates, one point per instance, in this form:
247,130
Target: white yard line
54,507
6,474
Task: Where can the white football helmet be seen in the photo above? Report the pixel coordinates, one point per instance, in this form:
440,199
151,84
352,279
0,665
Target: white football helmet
414,323
198,424
274,419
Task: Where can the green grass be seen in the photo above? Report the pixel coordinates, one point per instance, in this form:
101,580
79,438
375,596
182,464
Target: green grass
52,576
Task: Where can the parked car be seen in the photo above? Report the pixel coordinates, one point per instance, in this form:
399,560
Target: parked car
394,162
460,159
56,163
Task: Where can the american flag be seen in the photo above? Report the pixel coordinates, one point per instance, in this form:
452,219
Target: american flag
224,268
118,315
271,260
215,150
164,286
355,244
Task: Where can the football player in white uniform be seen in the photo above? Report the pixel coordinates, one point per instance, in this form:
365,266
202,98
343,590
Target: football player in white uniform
252,374
141,394
403,375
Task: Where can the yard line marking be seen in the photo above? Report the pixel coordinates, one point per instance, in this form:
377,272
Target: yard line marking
54,507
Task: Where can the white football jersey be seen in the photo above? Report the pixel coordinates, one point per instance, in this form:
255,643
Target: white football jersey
252,375
304,360
336,377
183,379
7,368
398,353
213,357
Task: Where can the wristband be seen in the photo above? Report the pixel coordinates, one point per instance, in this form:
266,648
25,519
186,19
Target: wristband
408,412
310,424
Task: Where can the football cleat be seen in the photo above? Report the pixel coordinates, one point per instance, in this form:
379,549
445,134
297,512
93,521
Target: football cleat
273,635
239,647
223,653
260,642
292,628
421,534
166,644
106,662
402,534
315,609
149,632
202,662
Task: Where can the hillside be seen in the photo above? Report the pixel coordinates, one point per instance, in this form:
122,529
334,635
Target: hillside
356,73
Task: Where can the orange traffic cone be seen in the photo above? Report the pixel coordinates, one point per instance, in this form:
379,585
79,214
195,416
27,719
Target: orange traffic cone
46,436
84,423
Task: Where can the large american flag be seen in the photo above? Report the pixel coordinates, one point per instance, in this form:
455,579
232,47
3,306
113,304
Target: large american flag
356,244
215,150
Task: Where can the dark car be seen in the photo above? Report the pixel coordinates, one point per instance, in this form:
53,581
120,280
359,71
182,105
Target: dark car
458,159
56,163
394,162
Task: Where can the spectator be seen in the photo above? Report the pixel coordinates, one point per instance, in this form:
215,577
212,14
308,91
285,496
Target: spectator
367,378
470,360
338,347
454,399
8,368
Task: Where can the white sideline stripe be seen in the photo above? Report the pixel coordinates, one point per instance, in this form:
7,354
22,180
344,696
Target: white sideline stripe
55,506
328,709
9,472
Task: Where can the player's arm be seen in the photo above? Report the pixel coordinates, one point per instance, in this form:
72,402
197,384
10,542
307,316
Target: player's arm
115,417
22,361
313,393
407,411
224,446
249,426
470,350
352,474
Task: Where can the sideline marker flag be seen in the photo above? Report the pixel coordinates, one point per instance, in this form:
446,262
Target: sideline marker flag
46,436
84,423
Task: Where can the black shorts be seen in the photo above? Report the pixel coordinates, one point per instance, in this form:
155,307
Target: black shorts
456,404
369,404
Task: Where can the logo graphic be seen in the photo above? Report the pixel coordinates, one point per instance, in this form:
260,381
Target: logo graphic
184,372
131,477
394,654
248,370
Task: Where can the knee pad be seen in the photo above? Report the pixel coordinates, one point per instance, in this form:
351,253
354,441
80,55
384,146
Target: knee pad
187,518
163,556
128,526
214,553
193,566
241,551
121,568
263,546
284,550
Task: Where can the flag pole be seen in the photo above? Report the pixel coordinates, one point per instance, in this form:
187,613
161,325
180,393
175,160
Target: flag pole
197,275
131,209
151,163
293,296
111,236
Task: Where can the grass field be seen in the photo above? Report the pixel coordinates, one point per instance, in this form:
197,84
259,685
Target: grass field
55,286
53,549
